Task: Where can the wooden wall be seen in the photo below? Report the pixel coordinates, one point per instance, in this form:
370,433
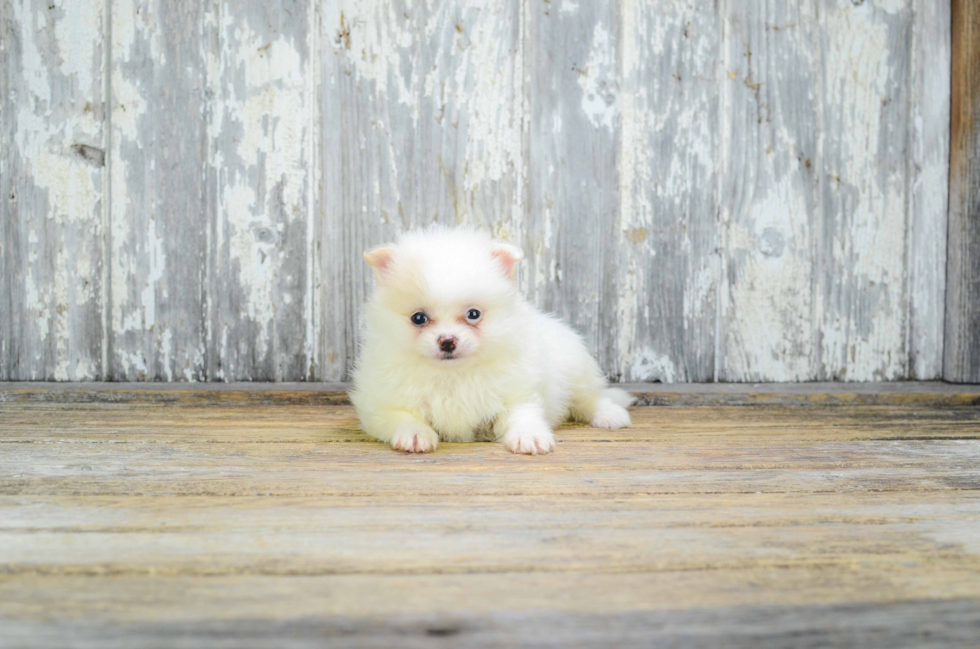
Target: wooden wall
963,294
739,190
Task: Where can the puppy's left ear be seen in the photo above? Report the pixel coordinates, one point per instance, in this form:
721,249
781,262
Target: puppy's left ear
380,259
508,256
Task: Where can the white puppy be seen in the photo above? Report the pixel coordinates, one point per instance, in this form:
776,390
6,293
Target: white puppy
451,351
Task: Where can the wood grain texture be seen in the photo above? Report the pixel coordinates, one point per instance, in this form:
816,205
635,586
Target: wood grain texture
904,393
962,354
767,319
370,154
124,522
575,83
261,137
707,192
864,191
929,191
52,182
943,623
668,239
158,173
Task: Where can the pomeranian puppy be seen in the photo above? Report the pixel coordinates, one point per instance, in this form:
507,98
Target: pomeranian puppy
451,351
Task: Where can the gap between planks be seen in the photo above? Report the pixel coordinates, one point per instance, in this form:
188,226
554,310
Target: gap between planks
910,393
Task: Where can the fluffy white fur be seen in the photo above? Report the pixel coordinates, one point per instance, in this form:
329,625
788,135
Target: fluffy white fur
514,375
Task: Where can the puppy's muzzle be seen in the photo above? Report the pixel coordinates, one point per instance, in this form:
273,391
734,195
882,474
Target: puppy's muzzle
447,343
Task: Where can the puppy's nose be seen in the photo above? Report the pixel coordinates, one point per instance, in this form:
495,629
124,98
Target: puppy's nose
447,343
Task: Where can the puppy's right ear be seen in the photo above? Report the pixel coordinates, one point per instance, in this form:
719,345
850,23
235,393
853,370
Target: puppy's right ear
380,259
508,256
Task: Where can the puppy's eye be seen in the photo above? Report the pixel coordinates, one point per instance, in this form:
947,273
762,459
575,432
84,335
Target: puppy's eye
473,315
419,318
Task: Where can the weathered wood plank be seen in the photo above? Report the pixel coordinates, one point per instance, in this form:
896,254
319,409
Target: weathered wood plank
770,209
281,451
186,600
422,109
52,182
260,311
862,245
101,423
668,240
160,219
370,154
370,150
156,522
929,186
192,536
344,470
470,115
935,623
573,56
962,355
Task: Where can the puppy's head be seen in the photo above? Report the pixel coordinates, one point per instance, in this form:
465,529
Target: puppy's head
444,295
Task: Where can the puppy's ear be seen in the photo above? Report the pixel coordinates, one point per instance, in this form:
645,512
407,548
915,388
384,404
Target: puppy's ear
380,259
508,256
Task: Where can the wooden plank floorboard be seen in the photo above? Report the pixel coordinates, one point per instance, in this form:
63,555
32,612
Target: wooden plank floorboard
169,524
912,625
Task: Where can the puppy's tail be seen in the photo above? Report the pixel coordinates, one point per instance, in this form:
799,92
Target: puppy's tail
619,397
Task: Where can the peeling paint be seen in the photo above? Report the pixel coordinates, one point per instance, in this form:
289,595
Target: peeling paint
648,365
753,192
260,134
599,80
863,338
51,199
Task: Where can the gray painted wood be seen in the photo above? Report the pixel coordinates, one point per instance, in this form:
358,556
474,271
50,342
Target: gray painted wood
654,170
261,145
575,85
929,191
770,211
962,353
52,180
863,239
158,169
668,240
370,153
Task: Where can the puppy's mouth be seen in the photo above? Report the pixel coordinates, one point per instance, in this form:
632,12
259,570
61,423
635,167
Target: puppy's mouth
449,357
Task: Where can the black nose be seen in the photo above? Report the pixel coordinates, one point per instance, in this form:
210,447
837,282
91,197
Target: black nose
447,343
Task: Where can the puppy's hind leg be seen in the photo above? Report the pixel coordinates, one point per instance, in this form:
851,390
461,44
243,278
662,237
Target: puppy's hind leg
602,408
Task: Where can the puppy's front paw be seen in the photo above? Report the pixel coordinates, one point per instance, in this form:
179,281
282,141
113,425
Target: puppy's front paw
530,440
610,415
414,439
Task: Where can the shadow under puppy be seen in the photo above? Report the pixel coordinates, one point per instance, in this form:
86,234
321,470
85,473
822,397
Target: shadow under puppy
451,348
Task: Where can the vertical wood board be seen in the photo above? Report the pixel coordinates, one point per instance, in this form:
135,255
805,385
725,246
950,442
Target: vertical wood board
929,186
574,73
770,161
261,152
962,353
865,188
667,235
159,220
52,180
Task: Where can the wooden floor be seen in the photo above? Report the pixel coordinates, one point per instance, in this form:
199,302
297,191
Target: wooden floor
199,523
